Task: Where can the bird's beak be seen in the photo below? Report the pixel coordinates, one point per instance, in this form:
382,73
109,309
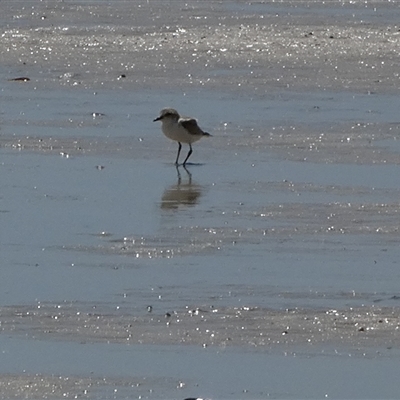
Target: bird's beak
157,119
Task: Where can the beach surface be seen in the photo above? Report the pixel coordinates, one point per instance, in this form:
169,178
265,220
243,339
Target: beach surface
267,268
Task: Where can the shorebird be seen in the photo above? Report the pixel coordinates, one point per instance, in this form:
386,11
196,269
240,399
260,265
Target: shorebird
180,129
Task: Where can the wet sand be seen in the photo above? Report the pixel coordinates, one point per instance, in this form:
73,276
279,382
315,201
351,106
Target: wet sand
359,328
246,46
273,256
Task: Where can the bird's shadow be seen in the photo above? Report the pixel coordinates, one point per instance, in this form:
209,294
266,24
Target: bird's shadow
183,194
189,165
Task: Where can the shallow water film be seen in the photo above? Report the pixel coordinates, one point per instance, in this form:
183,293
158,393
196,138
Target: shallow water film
267,267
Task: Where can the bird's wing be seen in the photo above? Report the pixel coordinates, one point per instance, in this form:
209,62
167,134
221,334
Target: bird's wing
190,124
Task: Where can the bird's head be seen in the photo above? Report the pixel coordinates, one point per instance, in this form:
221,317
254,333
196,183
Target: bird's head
167,113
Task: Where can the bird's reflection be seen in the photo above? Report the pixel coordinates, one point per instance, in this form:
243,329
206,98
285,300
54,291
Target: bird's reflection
183,194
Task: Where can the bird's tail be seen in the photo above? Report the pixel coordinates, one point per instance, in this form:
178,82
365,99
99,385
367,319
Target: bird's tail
206,134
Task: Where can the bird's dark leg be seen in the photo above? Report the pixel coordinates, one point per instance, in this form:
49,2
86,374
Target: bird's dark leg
179,152
187,157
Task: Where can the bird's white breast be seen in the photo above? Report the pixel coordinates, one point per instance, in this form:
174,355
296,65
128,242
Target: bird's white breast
175,131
